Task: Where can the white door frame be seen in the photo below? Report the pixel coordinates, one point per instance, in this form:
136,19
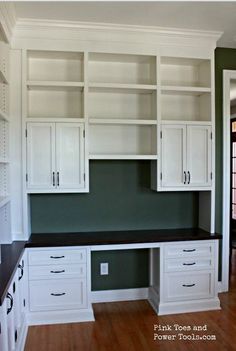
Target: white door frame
228,75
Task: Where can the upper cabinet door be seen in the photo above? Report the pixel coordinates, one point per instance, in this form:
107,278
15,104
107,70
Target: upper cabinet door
41,155
199,155
70,155
173,155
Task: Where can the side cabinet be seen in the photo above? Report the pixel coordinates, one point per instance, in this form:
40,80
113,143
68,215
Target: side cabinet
55,157
186,157
188,277
59,285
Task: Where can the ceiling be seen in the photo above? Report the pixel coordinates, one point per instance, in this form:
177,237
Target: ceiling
215,16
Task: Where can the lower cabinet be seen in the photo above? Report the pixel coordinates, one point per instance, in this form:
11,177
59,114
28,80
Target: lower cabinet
13,313
59,285
188,277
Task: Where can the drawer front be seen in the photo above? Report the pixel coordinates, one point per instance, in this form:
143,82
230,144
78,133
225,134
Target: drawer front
54,257
45,295
188,250
188,264
57,271
180,287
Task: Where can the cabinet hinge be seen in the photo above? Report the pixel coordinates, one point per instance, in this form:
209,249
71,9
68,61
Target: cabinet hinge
211,136
26,133
24,302
161,134
26,177
84,133
161,176
211,175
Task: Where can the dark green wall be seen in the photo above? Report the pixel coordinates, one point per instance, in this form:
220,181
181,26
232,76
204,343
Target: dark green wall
119,198
224,59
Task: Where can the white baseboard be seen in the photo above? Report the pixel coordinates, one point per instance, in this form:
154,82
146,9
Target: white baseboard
189,306
119,295
60,317
221,287
22,339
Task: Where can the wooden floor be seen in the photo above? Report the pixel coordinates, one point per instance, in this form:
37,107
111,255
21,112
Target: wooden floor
129,326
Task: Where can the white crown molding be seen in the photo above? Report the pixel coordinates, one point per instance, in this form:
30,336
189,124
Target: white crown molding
53,29
7,19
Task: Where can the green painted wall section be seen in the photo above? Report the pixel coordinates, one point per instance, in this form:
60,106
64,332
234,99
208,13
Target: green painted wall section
127,269
224,59
119,198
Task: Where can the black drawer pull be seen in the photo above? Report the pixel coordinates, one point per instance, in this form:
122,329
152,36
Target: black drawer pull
11,302
189,264
56,257
62,271
21,267
58,294
189,250
188,285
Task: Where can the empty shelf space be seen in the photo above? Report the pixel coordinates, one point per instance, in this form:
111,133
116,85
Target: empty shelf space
177,71
122,68
55,66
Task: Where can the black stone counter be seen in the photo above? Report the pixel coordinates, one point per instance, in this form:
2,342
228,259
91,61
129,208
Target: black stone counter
10,256
118,237
11,253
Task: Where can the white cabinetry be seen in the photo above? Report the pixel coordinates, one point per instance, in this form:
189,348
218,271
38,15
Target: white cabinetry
55,156
188,277
186,156
59,280
13,312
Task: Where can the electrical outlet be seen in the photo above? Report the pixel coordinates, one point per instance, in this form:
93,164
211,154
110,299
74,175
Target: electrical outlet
104,268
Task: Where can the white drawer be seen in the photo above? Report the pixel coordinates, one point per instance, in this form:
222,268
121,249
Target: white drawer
57,271
45,295
188,264
180,287
54,257
188,250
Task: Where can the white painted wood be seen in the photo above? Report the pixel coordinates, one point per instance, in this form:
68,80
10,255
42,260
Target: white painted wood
41,166
54,256
52,295
173,155
70,155
4,330
188,306
119,295
122,121
194,285
199,147
188,250
176,264
57,271
122,157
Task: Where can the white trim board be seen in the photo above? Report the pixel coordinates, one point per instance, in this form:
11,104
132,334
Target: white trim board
119,295
228,75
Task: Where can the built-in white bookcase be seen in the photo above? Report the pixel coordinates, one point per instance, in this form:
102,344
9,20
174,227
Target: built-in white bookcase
5,220
122,106
55,84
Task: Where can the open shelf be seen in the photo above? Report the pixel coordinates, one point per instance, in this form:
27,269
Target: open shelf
55,102
35,84
184,90
177,71
122,157
138,88
55,66
120,104
122,68
185,106
4,200
122,121
126,140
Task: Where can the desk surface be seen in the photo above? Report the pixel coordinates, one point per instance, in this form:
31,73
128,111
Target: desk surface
11,253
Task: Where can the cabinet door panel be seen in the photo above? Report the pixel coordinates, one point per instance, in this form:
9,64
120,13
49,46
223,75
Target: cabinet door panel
70,155
199,155
40,155
173,155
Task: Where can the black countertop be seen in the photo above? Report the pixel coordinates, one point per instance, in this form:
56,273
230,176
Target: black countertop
11,253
